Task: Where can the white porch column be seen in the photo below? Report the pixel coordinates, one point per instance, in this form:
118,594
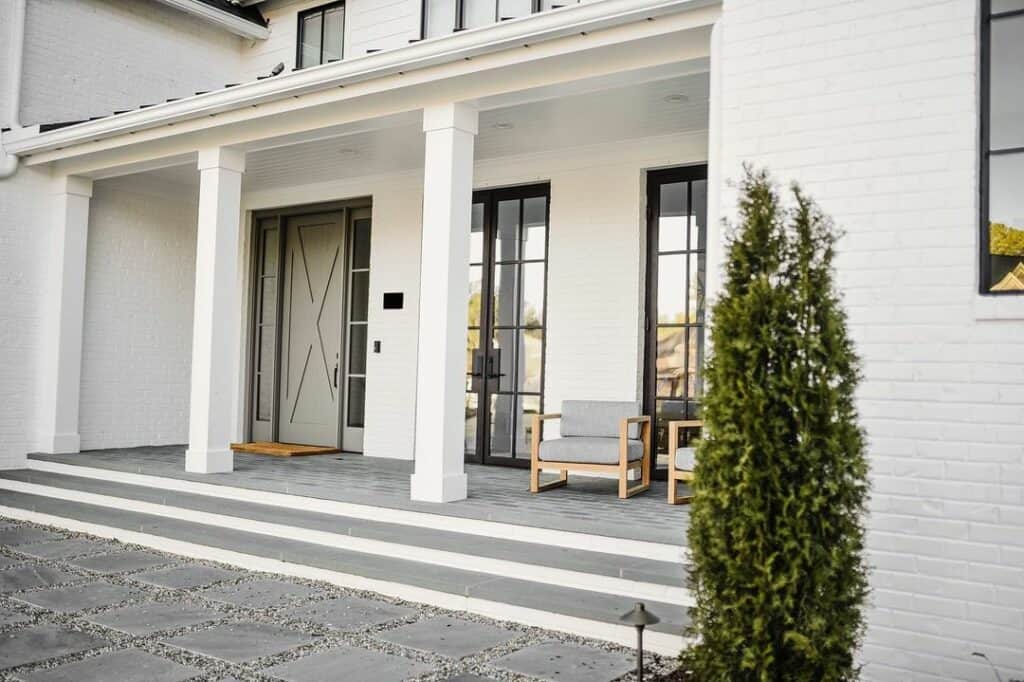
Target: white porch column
716,196
214,333
61,352
444,275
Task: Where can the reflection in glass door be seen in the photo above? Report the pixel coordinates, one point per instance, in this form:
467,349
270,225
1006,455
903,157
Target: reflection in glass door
676,244
505,339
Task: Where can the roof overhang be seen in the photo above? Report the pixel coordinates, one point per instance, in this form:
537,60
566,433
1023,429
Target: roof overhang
308,88
232,22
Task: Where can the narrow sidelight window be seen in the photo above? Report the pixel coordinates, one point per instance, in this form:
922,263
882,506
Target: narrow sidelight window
676,276
321,35
1002,147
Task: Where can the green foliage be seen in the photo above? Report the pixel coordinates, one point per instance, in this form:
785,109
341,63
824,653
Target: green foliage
1004,240
776,530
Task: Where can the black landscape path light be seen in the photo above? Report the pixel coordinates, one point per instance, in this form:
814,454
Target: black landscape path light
639,618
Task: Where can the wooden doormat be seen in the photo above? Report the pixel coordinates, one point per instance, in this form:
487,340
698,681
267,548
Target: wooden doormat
282,449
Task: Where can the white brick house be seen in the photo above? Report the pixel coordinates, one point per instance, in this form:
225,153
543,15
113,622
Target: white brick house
135,246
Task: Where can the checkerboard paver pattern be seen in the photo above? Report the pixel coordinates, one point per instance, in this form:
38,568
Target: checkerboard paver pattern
117,617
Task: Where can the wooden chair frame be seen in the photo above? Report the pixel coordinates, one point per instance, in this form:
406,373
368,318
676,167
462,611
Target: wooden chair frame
676,475
621,469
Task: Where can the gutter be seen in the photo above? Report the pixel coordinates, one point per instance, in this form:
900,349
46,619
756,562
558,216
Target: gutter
227,20
515,33
8,160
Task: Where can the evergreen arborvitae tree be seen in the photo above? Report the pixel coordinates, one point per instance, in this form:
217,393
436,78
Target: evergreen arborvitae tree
776,530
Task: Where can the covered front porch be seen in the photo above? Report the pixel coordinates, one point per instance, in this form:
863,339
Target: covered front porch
432,335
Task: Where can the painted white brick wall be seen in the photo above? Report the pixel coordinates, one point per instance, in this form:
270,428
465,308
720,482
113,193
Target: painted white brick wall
82,57
369,24
871,105
595,261
23,283
137,340
595,275
90,57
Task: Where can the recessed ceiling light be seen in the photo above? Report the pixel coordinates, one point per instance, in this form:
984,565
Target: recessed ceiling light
504,125
676,99
348,152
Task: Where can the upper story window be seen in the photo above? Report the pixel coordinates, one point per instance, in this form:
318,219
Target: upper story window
441,17
321,35
1002,145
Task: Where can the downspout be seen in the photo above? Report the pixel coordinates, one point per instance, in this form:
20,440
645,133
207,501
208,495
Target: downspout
9,162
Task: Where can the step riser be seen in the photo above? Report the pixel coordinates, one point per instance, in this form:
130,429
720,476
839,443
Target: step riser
544,536
658,642
498,567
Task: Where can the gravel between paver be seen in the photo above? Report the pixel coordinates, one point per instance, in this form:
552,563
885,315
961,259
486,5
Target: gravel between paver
19,615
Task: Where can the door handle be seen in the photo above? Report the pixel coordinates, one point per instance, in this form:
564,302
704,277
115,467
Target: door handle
492,360
336,375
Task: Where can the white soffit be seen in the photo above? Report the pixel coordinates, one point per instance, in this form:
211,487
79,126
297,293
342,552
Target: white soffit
285,94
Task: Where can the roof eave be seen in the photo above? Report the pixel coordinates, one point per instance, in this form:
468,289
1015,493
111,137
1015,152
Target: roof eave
467,44
240,26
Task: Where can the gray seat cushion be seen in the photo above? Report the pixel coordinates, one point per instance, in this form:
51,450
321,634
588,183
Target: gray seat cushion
585,450
685,458
598,418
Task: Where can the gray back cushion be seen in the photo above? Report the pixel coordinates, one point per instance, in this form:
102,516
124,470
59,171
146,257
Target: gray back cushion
598,418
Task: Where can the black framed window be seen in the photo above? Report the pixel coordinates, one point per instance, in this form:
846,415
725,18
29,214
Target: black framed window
441,17
675,310
1002,147
321,35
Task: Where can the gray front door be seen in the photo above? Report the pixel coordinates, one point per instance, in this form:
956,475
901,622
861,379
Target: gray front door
311,318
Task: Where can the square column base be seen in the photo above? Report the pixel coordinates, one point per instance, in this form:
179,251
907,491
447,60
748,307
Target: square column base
60,443
209,461
427,488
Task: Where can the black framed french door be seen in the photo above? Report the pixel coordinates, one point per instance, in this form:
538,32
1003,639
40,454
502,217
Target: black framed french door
675,300
505,340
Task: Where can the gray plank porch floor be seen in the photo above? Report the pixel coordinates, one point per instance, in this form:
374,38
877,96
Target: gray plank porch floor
587,505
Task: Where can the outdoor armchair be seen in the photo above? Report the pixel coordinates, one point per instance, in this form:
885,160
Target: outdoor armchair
680,460
608,437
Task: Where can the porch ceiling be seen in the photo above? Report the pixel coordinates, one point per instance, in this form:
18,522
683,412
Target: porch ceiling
648,103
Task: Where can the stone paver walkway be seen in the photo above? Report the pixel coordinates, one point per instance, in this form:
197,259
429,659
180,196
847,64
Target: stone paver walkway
75,608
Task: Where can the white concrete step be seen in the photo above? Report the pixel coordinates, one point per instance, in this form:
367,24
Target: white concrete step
587,541
400,570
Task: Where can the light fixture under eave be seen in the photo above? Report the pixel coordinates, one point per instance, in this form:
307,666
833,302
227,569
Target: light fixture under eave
503,125
348,153
676,99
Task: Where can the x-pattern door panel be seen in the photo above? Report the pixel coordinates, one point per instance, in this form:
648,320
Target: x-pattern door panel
311,343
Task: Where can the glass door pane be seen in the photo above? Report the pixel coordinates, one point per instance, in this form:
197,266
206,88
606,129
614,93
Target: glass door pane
675,279
474,355
505,346
357,328
265,292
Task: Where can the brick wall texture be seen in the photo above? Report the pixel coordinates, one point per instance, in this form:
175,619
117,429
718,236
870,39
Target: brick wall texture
872,106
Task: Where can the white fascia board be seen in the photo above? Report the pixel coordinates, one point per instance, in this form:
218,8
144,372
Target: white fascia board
237,25
533,29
